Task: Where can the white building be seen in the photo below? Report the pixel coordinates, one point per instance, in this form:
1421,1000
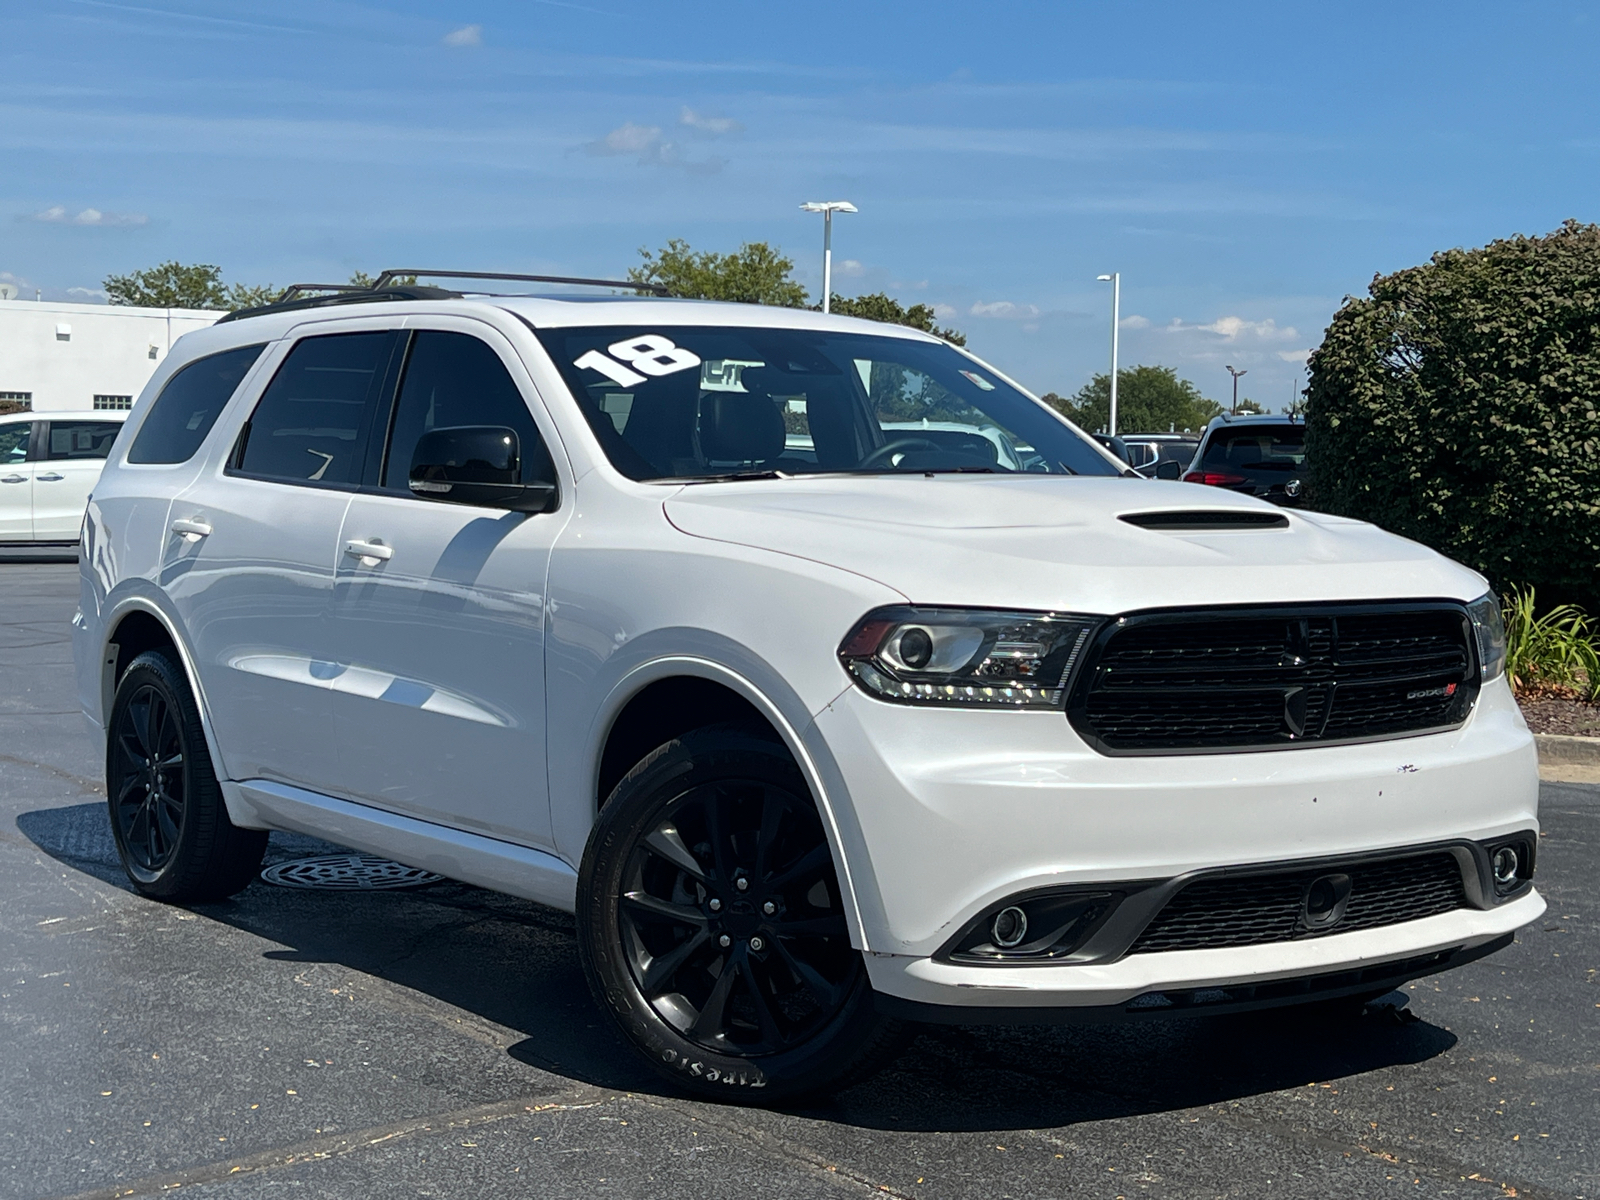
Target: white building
71,357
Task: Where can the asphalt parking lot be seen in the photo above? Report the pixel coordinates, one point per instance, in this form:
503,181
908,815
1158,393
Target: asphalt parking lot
440,1042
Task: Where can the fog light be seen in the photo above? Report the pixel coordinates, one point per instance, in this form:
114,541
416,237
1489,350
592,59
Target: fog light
1505,865
1010,927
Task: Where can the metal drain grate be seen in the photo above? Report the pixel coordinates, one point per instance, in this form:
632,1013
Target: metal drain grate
347,873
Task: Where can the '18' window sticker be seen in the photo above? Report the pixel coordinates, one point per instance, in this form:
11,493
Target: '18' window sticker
646,356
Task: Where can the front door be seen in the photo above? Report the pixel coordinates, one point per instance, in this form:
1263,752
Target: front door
73,454
438,613
250,555
16,482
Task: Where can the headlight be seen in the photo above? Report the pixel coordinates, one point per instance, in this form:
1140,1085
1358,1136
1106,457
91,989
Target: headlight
966,657
1491,633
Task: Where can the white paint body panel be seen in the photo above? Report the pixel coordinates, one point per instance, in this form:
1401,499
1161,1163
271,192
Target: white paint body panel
527,636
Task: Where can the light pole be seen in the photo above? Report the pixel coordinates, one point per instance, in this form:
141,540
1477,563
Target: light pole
1115,280
827,208
1235,409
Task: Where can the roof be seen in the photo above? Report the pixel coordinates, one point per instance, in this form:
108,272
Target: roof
1256,419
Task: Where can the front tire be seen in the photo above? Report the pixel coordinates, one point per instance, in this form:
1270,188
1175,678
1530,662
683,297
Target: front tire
167,812
711,926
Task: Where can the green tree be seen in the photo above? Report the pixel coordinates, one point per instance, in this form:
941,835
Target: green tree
173,285
754,274
1248,407
1458,403
1149,400
881,307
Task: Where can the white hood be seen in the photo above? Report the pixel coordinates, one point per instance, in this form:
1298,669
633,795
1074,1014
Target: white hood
1055,542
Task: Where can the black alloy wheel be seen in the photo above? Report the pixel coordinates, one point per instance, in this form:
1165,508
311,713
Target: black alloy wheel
168,815
147,758
714,929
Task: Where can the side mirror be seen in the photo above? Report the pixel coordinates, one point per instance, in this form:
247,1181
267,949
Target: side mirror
1169,470
476,464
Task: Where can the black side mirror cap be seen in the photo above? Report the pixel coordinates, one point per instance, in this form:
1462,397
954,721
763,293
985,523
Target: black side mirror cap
1169,470
476,464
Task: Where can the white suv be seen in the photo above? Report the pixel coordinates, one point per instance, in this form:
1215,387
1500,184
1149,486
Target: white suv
658,612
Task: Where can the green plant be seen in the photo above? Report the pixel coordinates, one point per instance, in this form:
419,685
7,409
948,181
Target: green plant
1458,403
1556,652
1149,400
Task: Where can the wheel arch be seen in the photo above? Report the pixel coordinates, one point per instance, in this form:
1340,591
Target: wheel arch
727,694
134,624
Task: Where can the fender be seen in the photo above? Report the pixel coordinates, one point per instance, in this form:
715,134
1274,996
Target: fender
641,676
112,615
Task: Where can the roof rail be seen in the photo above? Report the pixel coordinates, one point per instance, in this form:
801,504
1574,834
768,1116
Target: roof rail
387,277
384,287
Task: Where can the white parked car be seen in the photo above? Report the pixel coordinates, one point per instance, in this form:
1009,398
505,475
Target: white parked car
49,463
818,724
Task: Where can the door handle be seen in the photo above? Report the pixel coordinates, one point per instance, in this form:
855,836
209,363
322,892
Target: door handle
50,478
370,553
192,531
14,479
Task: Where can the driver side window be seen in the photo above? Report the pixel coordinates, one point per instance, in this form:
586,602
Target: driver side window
453,379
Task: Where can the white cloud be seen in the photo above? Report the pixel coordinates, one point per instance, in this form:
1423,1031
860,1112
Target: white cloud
1232,329
1005,310
467,35
1295,356
716,126
943,311
919,285
645,143
849,267
94,293
1135,322
57,214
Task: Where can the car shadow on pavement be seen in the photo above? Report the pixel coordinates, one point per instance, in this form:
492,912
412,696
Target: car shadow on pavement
514,964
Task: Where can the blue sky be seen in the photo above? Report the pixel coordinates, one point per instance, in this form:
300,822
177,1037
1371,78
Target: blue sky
1244,166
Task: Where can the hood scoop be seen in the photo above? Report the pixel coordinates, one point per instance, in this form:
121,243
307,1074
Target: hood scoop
1202,520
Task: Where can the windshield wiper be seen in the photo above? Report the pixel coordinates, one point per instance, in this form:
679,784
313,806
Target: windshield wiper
730,475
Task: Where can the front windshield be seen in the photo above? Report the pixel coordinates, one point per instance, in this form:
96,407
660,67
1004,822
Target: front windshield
687,402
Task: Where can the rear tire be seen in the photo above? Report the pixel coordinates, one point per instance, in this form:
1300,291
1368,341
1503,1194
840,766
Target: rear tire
167,812
751,993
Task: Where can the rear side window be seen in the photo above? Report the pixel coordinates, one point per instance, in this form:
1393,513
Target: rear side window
455,379
311,425
14,441
82,439
182,415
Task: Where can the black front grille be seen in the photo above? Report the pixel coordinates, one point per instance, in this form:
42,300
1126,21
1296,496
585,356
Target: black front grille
1216,680
1253,910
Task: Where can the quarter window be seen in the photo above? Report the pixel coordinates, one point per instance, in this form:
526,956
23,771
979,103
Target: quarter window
455,379
182,415
311,425
82,439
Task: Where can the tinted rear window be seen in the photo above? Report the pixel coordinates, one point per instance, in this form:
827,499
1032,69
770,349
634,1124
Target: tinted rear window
1257,448
311,425
182,415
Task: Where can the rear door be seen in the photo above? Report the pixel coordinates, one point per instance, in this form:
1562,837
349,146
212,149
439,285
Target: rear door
249,560
16,481
74,452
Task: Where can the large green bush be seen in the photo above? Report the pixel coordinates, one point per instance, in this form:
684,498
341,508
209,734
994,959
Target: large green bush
1457,404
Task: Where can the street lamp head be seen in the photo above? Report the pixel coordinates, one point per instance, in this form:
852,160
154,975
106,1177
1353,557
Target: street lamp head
829,206
1103,278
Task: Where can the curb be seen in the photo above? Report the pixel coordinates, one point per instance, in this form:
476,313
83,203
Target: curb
1568,750
1567,759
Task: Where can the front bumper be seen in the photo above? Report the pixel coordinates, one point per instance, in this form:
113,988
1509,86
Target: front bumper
946,813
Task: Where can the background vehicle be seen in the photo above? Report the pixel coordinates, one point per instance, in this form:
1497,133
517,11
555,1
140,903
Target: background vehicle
720,627
1147,450
49,463
1257,455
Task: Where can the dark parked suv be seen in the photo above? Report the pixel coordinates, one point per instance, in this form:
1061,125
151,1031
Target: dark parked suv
1261,456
